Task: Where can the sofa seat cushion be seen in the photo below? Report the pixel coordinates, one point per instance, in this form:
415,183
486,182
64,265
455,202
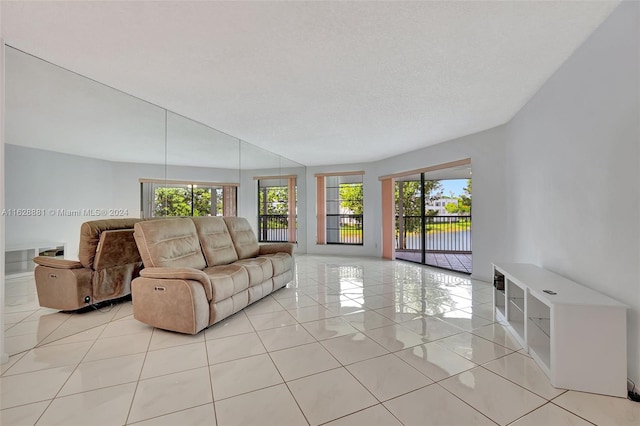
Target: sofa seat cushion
260,269
281,262
227,280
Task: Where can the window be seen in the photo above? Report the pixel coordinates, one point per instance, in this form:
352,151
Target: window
277,217
340,218
178,198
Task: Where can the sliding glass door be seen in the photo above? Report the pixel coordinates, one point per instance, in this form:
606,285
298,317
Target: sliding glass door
433,221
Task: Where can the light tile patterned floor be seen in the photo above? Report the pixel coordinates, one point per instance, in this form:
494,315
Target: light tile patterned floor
352,341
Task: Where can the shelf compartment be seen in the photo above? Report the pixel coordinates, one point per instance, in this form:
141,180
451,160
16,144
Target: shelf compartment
543,324
515,308
518,303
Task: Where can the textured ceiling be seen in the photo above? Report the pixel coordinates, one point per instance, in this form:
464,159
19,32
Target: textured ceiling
317,82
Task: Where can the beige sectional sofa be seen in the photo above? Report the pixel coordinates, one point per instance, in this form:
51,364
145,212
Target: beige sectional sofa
198,271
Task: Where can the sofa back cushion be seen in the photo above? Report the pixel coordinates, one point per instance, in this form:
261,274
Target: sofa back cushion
169,243
215,240
90,236
243,237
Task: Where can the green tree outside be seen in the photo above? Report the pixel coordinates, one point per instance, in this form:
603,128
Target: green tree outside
351,197
178,201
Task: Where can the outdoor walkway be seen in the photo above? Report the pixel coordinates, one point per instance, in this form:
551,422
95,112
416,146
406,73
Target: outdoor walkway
460,262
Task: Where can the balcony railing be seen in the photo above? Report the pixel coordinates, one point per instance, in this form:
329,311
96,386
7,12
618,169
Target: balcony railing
344,229
444,234
273,228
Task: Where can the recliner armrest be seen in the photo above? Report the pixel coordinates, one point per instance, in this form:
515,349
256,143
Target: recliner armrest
54,262
276,248
182,274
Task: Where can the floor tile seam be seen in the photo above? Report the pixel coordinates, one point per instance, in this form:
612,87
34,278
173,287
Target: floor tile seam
306,376
206,353
246,392
491,341
465,402
305,344
317,319
128,382
552,402
101,337
45,337
356,412
297,345
356,379
366,359
286,384
251,314
472,330
366,329
430,340
166,414
22,354
110,357
414,368
20,309
135,391
255,331
29,403
513,382
59,342
75,364
494,321
173,345
25,319
57,394
149,350
294,346
510,351
10,326
538,408
143,379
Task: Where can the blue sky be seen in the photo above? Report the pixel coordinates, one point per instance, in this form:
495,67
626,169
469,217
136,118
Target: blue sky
455,185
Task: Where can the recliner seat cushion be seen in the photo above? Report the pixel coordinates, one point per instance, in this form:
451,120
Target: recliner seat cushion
281,262
169,243
227,280
260,269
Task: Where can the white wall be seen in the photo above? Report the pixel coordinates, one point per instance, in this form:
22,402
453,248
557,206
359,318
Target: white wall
40,179
573,161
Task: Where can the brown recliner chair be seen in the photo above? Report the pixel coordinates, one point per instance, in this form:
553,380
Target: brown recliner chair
108,261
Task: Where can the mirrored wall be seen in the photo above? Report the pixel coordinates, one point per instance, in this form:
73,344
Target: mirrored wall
77,150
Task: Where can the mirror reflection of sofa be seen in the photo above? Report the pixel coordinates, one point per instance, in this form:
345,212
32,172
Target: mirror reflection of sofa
200,270
108,261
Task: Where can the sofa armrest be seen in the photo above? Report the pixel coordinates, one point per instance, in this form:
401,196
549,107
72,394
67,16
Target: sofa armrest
182,274
276,248
54,262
